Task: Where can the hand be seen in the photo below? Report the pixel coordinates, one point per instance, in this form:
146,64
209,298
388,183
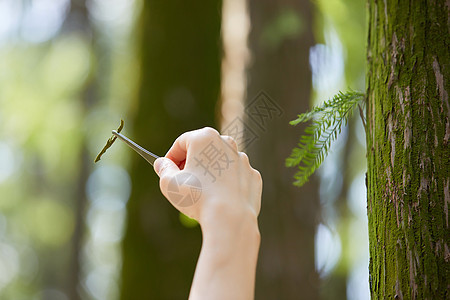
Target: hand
205,177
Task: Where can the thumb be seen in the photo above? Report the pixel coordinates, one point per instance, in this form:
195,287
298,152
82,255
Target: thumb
165,167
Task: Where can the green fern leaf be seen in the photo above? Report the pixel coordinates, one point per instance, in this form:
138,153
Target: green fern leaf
327,120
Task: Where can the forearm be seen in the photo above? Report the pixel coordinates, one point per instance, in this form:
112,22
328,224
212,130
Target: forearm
227,263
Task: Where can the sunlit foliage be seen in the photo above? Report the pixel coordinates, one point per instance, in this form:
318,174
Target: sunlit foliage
327,122
61,90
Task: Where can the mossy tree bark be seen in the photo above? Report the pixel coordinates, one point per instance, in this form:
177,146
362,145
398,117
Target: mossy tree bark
179,89
407,149
280,39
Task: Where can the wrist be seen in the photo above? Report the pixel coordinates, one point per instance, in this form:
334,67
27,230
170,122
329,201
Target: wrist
229,216
228,258
231,233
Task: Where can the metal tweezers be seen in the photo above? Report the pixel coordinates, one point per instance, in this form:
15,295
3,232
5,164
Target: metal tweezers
147,155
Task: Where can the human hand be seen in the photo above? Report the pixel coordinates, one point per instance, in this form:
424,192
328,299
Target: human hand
205,177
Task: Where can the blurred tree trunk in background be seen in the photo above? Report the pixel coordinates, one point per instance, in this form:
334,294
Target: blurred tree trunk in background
408,153
179,88
280,39
334,286
349,158
77,21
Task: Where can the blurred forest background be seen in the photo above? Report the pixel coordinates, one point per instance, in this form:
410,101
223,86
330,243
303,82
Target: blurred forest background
71,69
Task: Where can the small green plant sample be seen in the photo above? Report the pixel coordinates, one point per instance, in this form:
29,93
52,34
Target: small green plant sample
109,142
327,120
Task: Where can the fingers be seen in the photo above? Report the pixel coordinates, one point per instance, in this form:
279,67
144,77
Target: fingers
192,155
166,170
178,152
165,167
244,158
230,141
257,191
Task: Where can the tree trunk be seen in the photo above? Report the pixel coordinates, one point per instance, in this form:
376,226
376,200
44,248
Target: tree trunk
279,41
407,149
179,88
77,20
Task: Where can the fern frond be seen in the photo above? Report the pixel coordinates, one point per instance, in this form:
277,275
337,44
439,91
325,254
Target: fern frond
327,120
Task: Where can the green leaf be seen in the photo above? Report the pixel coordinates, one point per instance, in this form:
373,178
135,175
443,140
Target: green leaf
327,120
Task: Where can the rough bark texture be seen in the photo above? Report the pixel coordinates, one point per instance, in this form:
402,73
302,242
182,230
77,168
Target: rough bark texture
280,67
408,153
179,88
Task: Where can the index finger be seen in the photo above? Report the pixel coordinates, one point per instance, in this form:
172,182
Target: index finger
177,153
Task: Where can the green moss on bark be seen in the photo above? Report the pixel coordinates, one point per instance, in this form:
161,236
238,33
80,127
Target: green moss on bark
408,152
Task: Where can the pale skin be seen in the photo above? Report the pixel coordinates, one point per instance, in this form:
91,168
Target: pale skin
227,212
